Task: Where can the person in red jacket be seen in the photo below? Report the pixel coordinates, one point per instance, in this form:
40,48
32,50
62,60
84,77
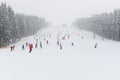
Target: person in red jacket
30,47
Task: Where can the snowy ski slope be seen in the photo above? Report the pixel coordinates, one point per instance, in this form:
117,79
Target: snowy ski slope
79,62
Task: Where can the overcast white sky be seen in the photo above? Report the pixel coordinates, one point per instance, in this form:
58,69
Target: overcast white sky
63,11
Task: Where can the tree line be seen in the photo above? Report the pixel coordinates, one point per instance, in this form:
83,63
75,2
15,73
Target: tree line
13,26
106,24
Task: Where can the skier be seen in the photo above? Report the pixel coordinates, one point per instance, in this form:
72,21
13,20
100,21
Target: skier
60,46
49,35
23,47
27,44
36,40
44,39
58,43
63,38
11,48
68,37
36,45
96,45
72,44
40,44
47,42
82,37
30,47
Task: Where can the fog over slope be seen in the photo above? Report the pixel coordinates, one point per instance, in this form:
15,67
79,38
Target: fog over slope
63,11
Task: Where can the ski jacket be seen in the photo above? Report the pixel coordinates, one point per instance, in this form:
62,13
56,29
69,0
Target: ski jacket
31,46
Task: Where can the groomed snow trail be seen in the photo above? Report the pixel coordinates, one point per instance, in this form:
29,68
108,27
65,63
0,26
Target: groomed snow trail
78,62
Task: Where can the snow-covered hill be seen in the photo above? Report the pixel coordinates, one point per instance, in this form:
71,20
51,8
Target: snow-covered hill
78,62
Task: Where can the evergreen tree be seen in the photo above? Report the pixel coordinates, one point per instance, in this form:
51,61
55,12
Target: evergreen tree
8,28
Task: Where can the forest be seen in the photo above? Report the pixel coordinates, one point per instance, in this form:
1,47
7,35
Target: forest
106,25
14,26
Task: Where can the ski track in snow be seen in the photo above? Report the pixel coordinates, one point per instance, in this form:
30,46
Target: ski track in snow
79,62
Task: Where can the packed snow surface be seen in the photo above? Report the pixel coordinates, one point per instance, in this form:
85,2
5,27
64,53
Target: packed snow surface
80,61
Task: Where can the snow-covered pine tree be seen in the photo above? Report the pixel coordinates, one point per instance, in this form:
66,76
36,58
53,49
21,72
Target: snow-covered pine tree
12,25
8,28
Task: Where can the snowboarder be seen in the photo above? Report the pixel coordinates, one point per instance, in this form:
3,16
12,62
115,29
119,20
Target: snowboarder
96,45
30,47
